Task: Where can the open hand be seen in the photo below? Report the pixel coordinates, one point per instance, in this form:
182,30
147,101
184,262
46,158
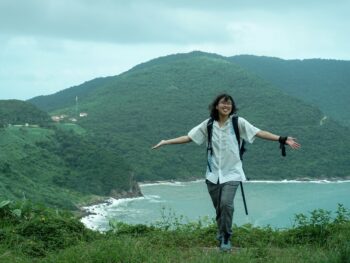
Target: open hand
161,143
293,143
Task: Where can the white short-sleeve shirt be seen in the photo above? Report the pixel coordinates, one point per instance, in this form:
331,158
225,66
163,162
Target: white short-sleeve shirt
225,161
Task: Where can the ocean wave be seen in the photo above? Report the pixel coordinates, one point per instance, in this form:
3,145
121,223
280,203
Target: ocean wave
99,214
154,199
152,196
116,202
100,209
284,181
299,181
95,222
162,183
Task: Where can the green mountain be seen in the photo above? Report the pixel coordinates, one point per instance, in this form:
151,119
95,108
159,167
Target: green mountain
56,164
166,97
320,82
66,97
16,112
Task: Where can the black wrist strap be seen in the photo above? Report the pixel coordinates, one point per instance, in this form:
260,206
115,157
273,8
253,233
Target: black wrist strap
282,141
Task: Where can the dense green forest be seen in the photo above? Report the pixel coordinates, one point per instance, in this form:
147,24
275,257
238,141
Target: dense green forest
166,97
324,83
59,165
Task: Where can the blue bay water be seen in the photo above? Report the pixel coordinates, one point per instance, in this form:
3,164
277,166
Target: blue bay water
269,203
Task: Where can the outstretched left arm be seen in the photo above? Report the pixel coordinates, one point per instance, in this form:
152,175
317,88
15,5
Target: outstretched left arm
272,137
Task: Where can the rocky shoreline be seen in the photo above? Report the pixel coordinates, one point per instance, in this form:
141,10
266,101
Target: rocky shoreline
134,192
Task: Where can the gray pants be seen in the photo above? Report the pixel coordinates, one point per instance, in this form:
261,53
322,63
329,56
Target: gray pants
222,196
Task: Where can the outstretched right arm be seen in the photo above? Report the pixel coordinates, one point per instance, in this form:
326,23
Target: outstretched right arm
178,140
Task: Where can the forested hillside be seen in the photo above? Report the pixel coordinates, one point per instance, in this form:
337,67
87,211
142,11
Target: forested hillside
59,165
323,83
68,96
166,97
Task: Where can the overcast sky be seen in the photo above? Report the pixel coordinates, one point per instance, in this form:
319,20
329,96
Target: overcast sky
50,45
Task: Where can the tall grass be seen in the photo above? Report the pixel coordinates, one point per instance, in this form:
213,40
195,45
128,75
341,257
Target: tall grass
31,233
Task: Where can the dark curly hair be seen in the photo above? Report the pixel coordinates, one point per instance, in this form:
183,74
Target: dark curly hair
212,107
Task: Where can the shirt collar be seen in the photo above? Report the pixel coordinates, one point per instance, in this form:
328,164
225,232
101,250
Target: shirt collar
216,123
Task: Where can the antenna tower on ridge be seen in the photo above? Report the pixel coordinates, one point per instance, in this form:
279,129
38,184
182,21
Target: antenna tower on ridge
76,107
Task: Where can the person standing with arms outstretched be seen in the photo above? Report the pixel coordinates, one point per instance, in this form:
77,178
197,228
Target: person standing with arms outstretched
224,170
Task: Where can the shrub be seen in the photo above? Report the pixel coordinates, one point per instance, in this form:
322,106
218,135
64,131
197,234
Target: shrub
319,227
36,230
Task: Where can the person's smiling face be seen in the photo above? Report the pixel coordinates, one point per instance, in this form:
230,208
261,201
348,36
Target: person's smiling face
224,107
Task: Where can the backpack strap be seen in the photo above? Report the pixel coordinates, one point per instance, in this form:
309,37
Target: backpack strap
210,146
241,151
241,148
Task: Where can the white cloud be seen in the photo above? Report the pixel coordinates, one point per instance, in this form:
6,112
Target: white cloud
53,65
46,46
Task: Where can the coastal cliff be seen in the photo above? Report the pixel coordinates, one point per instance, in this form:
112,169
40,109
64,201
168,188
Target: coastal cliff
134,191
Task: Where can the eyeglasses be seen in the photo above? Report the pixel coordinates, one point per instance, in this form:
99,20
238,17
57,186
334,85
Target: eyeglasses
225,103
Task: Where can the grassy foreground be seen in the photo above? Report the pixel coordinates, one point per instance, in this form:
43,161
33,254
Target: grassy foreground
31,233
